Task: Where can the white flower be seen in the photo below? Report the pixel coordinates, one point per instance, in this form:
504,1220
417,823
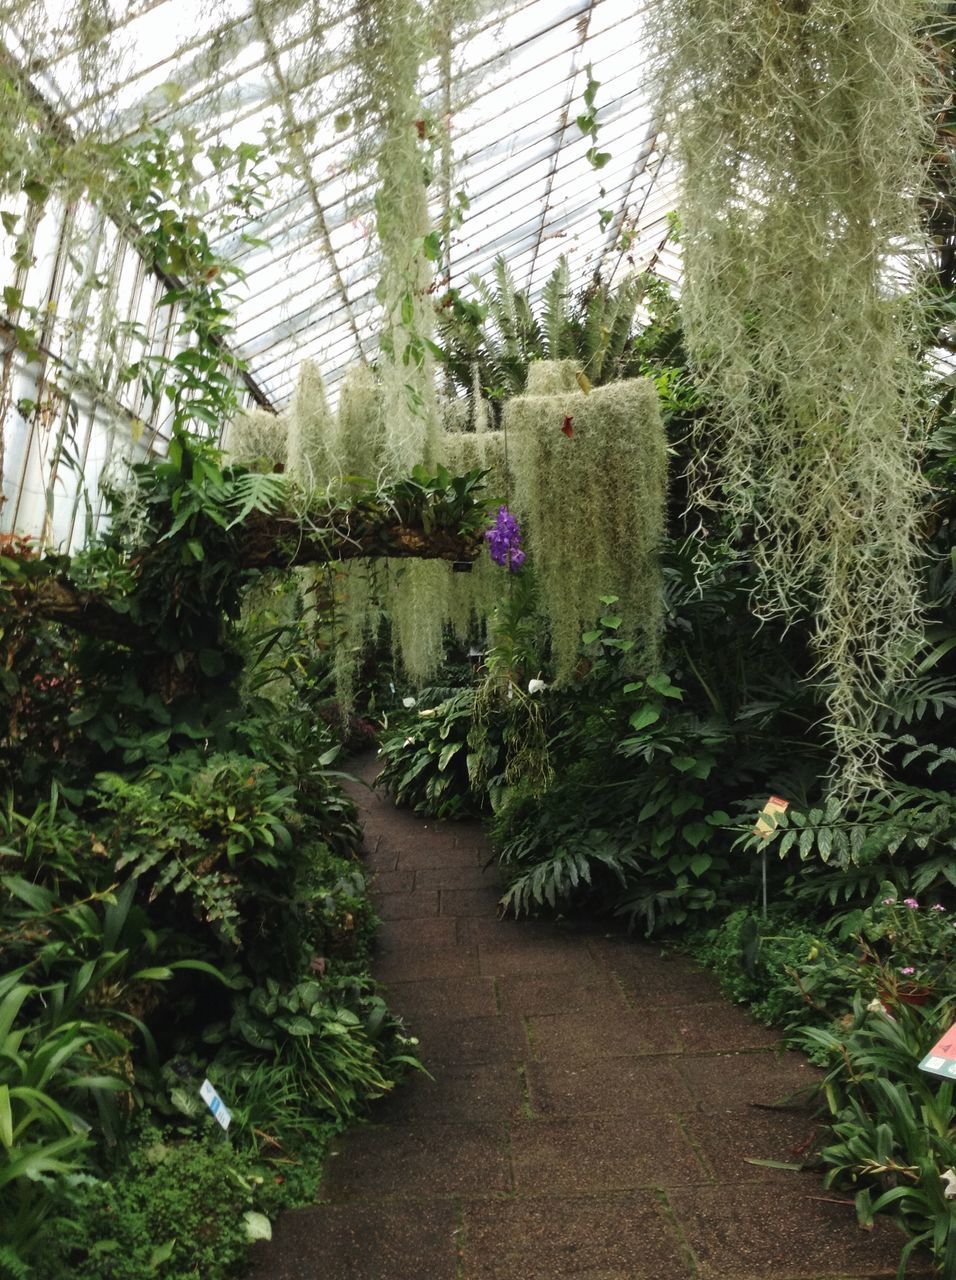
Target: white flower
408,702
949,1184
536,686
875,1006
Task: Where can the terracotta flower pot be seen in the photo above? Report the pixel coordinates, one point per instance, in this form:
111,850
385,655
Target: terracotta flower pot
905,993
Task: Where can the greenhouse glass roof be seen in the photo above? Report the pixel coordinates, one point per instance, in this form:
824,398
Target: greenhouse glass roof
240,70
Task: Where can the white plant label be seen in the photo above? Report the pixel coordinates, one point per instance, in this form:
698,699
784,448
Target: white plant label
220,1111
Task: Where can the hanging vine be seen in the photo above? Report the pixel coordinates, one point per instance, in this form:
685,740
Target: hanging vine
802,131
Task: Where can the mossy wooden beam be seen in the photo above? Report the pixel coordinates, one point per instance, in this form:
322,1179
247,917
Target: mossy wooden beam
264,541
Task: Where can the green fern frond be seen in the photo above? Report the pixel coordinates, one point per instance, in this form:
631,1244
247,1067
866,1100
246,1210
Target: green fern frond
12,1266
255,491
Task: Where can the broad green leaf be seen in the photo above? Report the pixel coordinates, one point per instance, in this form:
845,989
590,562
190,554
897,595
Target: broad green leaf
257,1225
645,716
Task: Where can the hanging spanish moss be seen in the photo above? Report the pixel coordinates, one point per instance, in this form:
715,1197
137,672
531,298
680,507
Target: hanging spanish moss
257,438
590,479
358,616
395,39
417,607
311,431
471,598
802,133
389,55
360,427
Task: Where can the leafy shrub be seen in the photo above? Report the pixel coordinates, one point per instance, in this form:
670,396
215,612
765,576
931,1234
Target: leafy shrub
177,1210
764,963
427,760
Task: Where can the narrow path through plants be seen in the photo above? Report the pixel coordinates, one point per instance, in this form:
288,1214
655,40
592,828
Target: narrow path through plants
592,1110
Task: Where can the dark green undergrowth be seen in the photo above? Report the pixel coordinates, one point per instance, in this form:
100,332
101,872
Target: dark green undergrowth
182,899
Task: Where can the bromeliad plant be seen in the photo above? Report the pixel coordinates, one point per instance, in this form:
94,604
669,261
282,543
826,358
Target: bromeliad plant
894,1126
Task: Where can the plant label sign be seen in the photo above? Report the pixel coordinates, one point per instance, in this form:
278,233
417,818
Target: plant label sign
220,1111
767,820
941,1059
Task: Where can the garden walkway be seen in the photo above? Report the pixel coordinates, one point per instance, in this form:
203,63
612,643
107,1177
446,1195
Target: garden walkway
591,1113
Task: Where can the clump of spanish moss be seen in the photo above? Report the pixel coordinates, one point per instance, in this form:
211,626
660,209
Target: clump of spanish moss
417,609
590,476
360,424
257,438
388,60
802,131
548,377
311,431
463,451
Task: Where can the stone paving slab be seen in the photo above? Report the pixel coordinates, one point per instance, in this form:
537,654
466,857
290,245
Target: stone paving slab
559,993
507,934
729,1140
590,1035
501,1038
362,1242
426,1161
407,906
541,957
634,1088
416,963
458,997
770,1232
466,877
601,1153
708,1028
424,854
760,1077
590,1114
393,882
611,1237
482,1092
405,935
470,902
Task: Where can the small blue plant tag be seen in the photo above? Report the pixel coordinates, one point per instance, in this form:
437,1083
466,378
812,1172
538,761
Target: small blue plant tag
220,1111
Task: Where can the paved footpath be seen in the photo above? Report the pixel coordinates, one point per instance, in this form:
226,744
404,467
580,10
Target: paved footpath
592,1108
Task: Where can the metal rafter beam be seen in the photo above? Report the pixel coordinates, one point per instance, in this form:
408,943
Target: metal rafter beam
584,21
317,210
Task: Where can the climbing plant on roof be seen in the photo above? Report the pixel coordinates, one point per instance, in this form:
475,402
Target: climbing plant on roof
802,130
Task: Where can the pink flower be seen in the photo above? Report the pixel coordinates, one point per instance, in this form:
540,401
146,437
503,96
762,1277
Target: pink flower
937,906
909,969
911,903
